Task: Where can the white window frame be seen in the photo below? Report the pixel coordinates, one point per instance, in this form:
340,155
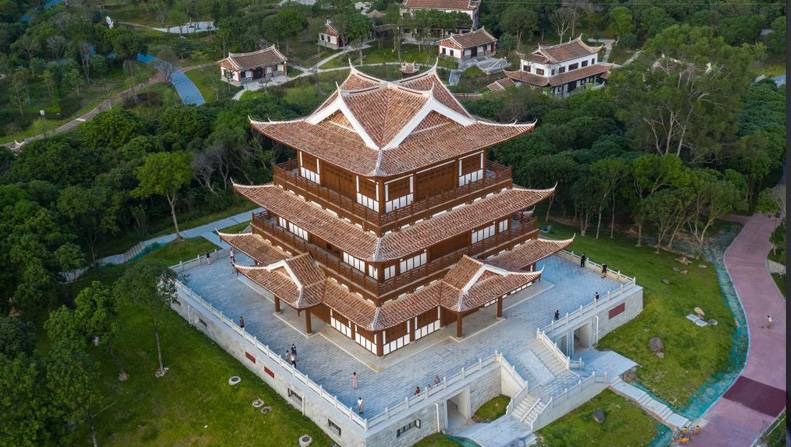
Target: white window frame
357,263
483,233
413,262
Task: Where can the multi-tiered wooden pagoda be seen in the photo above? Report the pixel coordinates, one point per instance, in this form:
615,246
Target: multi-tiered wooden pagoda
389,222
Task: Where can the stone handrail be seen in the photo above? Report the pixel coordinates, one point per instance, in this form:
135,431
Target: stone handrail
553,348
413,400
301,377
615,275
609,297
593,378
535,404
523,385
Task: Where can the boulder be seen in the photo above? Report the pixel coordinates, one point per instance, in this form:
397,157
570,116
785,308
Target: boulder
684,272
703,266
700,312
629,376
660,354
665,281
598,415
656,345
675,269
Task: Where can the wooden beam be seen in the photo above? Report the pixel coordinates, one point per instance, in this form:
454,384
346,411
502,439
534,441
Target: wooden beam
308,327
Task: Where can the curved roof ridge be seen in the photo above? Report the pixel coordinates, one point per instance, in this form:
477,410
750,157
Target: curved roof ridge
270,47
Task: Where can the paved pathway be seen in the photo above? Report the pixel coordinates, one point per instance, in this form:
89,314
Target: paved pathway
608,43
657,409
205,231
733,419
187,28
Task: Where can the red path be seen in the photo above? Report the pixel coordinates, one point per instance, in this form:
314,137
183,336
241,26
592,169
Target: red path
738,417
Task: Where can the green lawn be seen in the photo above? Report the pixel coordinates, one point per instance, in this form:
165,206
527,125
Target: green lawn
624,424
474,80
193,404
426,55
165,226
492,409
775,437
208,81
67,106
780,280
436,440
236,228
619,54
692,354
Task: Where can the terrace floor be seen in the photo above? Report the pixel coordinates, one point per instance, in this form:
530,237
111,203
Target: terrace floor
329,359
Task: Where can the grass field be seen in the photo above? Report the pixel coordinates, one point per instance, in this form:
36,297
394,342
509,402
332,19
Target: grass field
492,409
426,55
692,354
436,440
165,226
624,424
208,81
193,404
780,280
237,228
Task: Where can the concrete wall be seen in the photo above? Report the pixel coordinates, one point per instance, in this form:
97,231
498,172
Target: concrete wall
634,305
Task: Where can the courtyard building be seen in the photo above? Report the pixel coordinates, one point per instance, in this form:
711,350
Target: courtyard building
263,64
466,46
390,222
330,37
561,69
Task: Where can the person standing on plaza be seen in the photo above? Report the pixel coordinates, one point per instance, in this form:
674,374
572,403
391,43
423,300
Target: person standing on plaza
241,322
292,358
769,322
557,314
360,405
294,349
603,270
354,380
583,259
597,296
232,257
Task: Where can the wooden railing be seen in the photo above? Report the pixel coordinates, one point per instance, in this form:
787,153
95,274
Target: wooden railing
287,175
518,230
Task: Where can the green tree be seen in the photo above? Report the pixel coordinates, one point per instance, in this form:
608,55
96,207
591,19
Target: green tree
608,174
24,409
651,173
90,213
111,129
682,95
150,287
713,198
519,20
164,174
621,21
17,337
776,41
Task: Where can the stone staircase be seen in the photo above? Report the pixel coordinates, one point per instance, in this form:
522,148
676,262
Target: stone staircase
660,411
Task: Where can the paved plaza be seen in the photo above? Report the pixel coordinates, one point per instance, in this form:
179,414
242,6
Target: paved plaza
329,358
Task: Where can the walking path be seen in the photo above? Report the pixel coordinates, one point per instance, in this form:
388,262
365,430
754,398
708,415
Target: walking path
187,28
657,409
758,395
205,231
608,43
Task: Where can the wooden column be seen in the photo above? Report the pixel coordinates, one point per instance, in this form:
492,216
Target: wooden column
499,307
458,325
277,305
308,327
412,326
379,340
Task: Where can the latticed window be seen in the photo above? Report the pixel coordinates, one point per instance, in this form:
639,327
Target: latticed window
483,233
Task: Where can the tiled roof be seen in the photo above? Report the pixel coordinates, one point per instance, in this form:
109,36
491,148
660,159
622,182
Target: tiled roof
379,134
397,244
298,280
330,30
255,246
528,252
566,51
500,84
468,40
462,5
559,79
253,59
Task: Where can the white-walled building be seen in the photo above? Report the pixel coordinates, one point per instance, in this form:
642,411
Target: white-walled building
265,63
330,37
561,68
468,45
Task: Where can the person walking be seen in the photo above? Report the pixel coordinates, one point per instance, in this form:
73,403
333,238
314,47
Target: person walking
354,380
597,296
292,358
417,390
603,270
360,405
583,259
557,314
241,322
231,256
769,322
208,257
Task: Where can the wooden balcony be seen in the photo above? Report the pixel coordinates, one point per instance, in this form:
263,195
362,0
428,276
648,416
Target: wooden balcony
287,175
380,291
